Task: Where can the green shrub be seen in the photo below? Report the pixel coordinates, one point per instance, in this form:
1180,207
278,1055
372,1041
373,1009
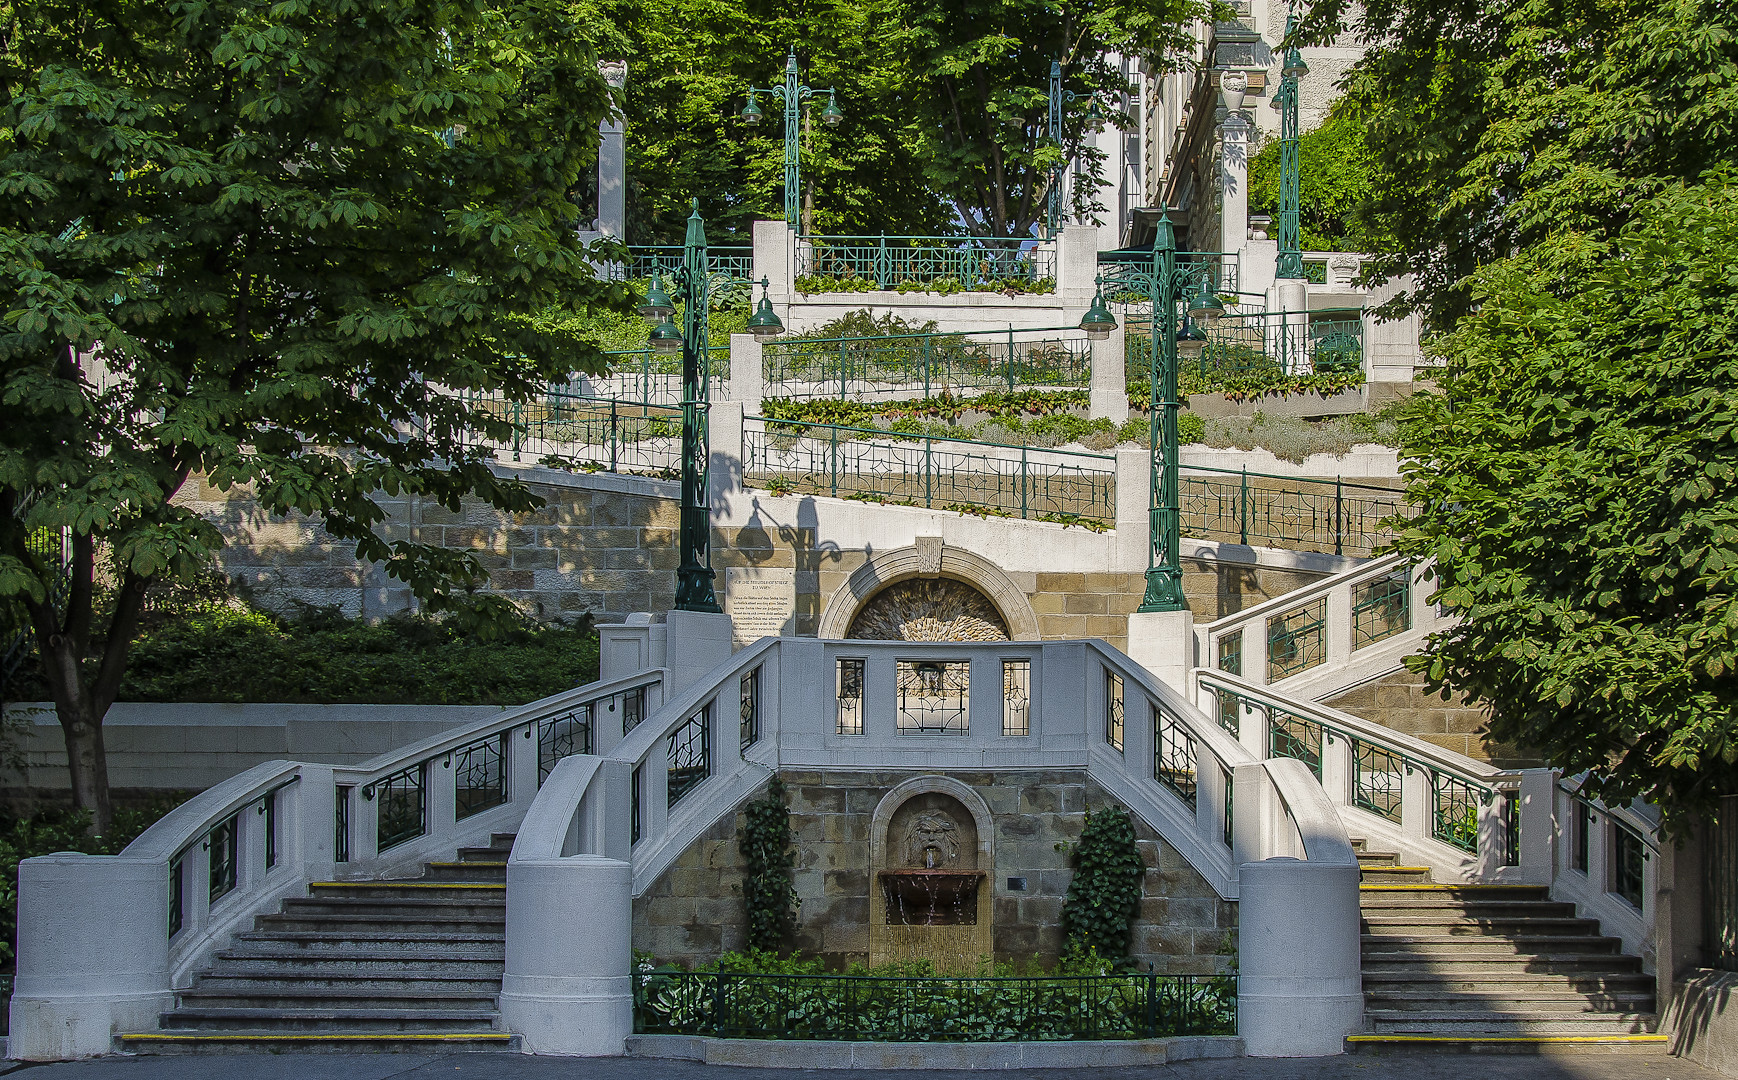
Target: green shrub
1104,896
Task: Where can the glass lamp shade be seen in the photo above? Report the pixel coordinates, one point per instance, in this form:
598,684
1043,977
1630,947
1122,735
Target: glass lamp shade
832,114
1098,322
1205,305
751,112
1294,68
665,338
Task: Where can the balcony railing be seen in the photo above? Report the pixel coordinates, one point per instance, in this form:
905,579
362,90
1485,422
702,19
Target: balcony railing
922,365
922,262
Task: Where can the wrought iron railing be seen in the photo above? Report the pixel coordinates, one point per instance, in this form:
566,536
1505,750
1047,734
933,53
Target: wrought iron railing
647,376
892,262
594,434
644,260
926,364
1300,512
1239,343
876,1008
930,471
1127,274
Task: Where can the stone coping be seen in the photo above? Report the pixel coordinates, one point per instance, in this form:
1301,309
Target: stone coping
818,1054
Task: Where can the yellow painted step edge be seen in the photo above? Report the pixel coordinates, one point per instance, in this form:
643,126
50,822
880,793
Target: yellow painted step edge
423,1036
1509,1038
1442,887
407,884
1394,869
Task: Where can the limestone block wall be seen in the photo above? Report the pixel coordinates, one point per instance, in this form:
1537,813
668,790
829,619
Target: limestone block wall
694,911
1400,701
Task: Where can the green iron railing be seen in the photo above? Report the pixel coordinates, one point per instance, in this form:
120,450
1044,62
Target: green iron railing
644,260
1304,513
594,434
926,364
930,471
648,376
1297,639
1126,274
877,1008
889,262
1237,343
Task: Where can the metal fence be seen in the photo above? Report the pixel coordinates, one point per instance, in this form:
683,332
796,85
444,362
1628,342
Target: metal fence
926,364
594,434
1299,512
929,471
1298,342
877,1008
646,376
644,260
890,262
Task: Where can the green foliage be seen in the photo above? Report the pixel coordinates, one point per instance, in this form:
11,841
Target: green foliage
765,842
289,247
1577,475
1294,439
1493,125
50,830
1104,896
1136,429
809,284
1333,180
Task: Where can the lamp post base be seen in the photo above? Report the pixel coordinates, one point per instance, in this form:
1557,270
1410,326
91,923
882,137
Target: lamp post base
1164,590
694,590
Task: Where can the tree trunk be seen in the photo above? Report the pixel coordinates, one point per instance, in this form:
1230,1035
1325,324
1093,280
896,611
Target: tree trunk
88,765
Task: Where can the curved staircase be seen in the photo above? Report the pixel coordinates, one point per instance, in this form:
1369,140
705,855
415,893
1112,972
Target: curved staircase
358,966
1492,968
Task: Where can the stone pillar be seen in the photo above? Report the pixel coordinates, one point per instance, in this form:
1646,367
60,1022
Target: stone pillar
747,383
612,159
566,987
724,466
775,245
1293,300
1076,265
698,641
1234,165
1108,396
93,954
1163,642
1134,499
1300,980
1538,832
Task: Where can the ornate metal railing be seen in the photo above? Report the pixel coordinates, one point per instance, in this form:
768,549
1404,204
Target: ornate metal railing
1238,343
892,262
926,364
879,1008
929,471
1125,274
594,434
1341,516
647,376
644,260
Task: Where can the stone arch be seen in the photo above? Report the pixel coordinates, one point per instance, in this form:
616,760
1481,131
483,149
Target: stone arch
964,794
950,947
929,557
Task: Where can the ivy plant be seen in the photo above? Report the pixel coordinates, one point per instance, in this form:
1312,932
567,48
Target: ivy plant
1104,898
765,842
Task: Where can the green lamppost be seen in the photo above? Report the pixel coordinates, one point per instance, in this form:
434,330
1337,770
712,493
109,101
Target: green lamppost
694,285
1162,282
1285,99
792,96
1059,98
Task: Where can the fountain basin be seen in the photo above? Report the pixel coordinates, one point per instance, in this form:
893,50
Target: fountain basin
931,897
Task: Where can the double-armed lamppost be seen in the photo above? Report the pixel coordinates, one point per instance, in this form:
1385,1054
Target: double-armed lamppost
694,283
1163,281
792,95
1058,98
1285,100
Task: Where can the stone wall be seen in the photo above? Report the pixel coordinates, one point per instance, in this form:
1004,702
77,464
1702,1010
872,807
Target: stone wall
1400,701
694,911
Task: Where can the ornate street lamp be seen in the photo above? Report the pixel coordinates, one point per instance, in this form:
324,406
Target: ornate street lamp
1094,115
791,95
694,282
1163,281
1285,100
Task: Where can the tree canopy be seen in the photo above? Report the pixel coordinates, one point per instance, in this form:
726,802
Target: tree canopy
291,247
1576,476
1333,182
1493,125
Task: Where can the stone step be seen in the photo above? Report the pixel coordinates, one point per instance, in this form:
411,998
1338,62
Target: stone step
1367,857
340,942
460,925
493,906
1549,1045
1506,982
1394,875
1376,904
1472,926
1528,1001
484,854
392,890
1477,966
1385,946
402,964
1453,1022
1453,890
329,1019
282,1042
295,980
253,996
494,870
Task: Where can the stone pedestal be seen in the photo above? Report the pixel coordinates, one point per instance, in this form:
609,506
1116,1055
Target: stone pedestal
1163,642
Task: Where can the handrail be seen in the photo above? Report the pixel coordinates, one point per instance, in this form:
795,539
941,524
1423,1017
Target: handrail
185,824
1313,814
1335,482
798,339
1375,568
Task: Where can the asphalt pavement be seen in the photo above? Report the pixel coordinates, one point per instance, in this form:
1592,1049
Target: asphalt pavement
523,1067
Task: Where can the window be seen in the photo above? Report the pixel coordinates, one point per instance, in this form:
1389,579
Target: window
1173,756
1580,828
1113,710
690,755
221,843
934,696
1016,697
849,690
748,709
1627,858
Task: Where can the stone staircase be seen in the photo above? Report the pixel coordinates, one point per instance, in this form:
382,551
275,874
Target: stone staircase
358,966
1491,968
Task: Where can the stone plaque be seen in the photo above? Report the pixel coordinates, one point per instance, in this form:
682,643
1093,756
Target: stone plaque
760,600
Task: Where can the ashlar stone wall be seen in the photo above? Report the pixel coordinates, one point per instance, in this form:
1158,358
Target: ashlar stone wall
694,911
1400,701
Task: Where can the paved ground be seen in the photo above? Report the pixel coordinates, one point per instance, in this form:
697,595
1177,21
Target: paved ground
517,1067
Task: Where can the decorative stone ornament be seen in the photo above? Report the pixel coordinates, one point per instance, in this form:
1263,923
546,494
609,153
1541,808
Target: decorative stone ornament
1233,88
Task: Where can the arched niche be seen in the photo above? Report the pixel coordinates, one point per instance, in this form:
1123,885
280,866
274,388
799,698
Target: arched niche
950,818
929,558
